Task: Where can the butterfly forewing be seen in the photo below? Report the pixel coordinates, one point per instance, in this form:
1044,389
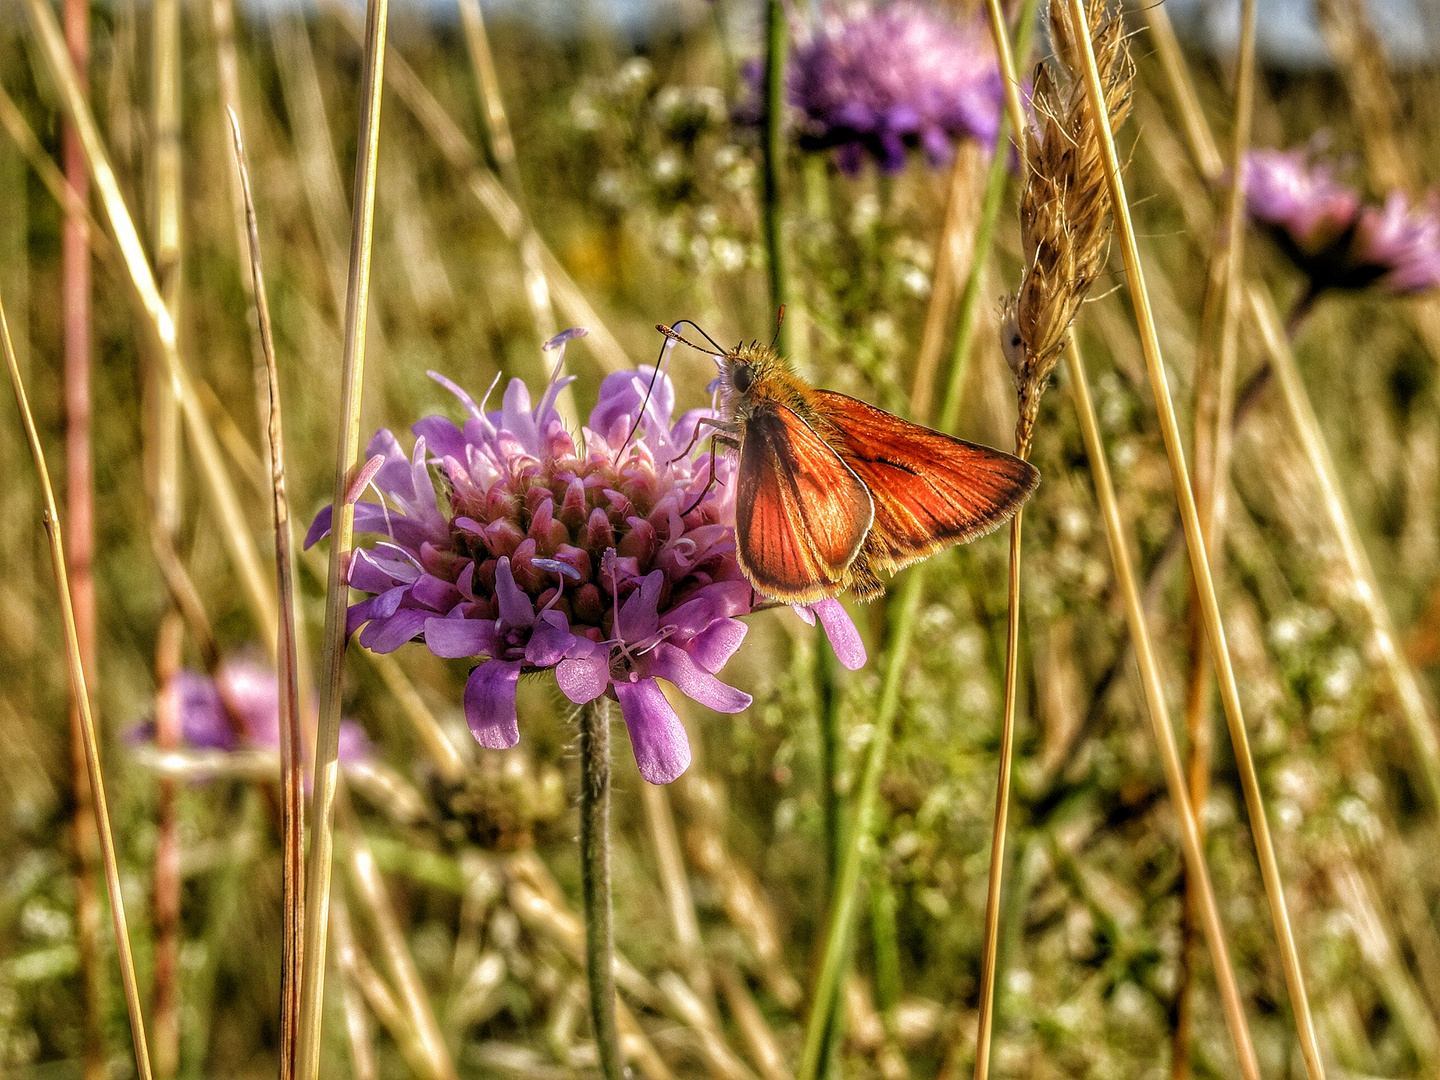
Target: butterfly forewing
929,490
801,514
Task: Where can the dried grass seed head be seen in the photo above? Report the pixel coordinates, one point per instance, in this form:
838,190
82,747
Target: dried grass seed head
1065,222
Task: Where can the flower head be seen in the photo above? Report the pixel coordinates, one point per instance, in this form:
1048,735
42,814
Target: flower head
1332,234
240,708
1299,199
610,561
1402,243
882,80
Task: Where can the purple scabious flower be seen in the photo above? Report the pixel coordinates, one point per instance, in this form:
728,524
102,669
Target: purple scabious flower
880,80
1300,200
1401,242
1333,235
610,560
252,720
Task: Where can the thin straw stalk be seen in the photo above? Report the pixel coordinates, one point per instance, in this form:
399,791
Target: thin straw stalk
1413,706
236,537
337,589
80,539
1215,630
288,658
991,940
1213,441
81,693
1198,137
970,300
772,147
989,953
162,436
660,816
1191,845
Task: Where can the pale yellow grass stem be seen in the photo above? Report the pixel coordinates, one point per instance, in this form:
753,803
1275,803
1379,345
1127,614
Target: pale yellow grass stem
1214,402
234,533
1190,835
1200,566
337,587
87,720
292,764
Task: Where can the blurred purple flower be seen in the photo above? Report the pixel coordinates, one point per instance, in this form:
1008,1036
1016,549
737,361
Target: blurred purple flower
253,720
884,79
614,564
1332,234
1299,199
1402,242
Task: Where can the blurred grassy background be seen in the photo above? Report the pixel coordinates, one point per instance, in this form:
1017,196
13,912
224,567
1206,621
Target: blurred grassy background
648,197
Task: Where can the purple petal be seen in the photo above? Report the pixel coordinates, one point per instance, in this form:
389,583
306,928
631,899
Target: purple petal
516,609
844,638
387,635
662,749
584,678
454,638
203,723
564,336
712,648
549,641
490,703
675,665
639,615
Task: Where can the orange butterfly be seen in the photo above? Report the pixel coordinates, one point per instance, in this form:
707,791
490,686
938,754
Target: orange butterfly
832,490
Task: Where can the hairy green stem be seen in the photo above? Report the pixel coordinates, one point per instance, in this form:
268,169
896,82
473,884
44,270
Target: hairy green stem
595,882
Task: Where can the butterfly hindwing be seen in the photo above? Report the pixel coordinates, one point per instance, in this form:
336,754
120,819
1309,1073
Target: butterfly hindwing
929,490
801,514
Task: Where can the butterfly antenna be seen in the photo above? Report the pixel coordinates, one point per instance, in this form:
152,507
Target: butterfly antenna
665,348
779,321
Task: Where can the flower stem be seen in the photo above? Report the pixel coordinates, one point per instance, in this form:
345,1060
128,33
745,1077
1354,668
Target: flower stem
595,882
772,142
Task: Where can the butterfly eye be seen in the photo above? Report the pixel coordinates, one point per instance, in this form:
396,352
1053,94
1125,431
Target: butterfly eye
742,378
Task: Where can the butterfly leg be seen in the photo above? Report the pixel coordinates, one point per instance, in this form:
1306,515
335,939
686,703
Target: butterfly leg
725,434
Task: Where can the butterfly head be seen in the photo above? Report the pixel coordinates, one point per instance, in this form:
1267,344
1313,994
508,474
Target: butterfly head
746,367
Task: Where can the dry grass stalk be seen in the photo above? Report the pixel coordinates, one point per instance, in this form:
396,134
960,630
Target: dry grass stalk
80,540
1064,233
237,539
502,145
288,655
162,438
1198,138
90,740
370,892
1190,835
1064,206
1096,93
1214,403
337,589
954,250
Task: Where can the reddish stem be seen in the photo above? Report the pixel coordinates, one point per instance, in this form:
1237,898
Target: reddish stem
80,540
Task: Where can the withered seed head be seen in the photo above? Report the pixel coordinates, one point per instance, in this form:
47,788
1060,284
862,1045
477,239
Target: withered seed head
1065,223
